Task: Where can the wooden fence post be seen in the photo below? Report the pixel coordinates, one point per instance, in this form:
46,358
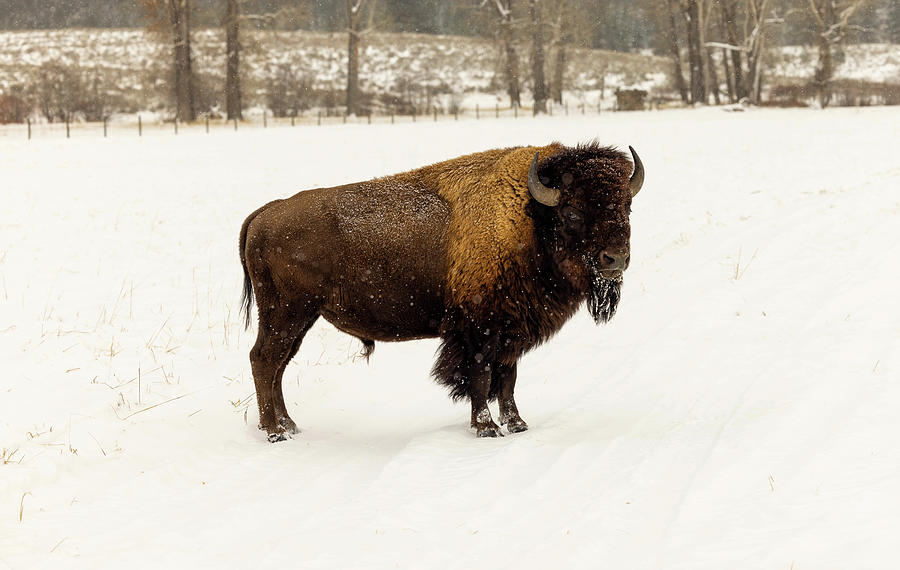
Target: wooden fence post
140,127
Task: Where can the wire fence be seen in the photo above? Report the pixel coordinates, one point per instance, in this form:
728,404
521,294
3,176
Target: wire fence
142,125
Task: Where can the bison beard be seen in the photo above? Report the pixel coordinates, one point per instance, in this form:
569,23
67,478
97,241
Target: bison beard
603,297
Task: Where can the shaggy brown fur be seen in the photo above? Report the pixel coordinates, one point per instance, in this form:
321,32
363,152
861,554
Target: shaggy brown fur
458,249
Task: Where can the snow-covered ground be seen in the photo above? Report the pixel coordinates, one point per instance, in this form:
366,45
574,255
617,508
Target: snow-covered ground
878,63
741,410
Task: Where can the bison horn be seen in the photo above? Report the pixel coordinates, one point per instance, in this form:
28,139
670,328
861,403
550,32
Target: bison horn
637,177
544,195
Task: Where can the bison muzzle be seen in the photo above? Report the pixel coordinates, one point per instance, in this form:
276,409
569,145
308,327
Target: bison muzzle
492,252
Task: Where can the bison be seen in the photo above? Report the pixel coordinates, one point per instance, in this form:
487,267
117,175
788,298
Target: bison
491,252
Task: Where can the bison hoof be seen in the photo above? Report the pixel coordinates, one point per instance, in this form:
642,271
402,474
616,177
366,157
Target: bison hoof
517,427
289,426
275,437
490,431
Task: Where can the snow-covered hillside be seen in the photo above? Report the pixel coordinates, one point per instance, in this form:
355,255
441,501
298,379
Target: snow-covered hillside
132,64
878,63
739,412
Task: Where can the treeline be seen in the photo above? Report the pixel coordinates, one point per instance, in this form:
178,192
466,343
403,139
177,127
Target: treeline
719,49
621,25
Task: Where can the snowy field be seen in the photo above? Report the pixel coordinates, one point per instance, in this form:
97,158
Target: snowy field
741,410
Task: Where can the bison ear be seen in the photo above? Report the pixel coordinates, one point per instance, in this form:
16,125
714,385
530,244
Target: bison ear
543,194
637,177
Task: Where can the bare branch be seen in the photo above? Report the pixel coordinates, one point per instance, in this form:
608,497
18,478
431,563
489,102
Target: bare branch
814,8
355,8
725,46
502,11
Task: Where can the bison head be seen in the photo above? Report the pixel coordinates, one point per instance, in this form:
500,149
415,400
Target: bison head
584,195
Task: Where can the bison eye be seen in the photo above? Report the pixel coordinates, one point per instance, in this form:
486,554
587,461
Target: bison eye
573,215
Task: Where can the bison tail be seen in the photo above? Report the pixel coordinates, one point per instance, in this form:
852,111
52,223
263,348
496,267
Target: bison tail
247,294
246,299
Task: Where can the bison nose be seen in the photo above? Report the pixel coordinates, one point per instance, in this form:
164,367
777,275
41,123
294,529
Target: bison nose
611,260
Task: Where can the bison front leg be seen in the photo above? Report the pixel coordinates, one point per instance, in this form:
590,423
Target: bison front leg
464,364
505,378
479,391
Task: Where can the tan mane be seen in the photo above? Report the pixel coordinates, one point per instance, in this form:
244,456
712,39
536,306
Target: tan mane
490,234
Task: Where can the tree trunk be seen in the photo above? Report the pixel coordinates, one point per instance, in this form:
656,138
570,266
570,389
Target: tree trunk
729,78
825,20
894,22
726,14
695,52
511,65
180,17
674,48
559,52
233,104
712,75
559,68
537,58
354,28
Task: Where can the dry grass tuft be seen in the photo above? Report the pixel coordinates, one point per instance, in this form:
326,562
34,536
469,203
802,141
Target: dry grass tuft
7,456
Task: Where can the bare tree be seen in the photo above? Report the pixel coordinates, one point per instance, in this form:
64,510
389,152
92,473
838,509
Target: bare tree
537,58
561,29
666,12
233,103
758,17
755,44
176,15
711,75
729,29
504,10
691,10
355,29
832,20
